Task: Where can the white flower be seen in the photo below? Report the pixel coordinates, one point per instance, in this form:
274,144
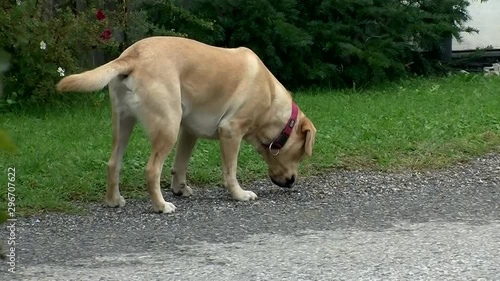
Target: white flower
43,45
61,71
18,2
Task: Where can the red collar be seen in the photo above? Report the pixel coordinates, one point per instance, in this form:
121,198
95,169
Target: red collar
280,141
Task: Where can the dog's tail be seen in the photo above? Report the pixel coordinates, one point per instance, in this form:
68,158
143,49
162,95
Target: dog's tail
96,79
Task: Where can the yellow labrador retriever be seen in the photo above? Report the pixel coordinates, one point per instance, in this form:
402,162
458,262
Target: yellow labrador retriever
179,90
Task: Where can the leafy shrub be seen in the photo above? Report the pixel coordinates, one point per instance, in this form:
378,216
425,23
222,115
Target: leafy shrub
4,66
6,144
338,43
5,141
169,18
44,44
333,43
270,28
134,20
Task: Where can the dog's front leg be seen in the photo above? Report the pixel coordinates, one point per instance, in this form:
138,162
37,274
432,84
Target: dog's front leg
185,146
230,140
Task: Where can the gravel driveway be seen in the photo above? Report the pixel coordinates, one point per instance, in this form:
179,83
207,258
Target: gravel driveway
346,225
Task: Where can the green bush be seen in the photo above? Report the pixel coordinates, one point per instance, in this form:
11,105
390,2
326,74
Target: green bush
134,20
5,141
168,18
272,29
332,43
44,44
338,43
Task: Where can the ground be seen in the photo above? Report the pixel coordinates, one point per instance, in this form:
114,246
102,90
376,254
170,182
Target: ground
344,225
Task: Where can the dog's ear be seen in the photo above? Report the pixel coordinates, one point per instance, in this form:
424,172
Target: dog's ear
309,131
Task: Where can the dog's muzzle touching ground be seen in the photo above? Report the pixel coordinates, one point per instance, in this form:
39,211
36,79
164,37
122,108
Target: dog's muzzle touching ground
288,182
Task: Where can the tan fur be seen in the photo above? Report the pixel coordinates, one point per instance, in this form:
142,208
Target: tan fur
180,90
96,79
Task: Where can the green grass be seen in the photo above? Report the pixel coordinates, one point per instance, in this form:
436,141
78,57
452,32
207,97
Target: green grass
418,124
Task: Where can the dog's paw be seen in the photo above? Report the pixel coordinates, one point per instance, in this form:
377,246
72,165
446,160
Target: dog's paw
115,202
244,195
184,191
166,208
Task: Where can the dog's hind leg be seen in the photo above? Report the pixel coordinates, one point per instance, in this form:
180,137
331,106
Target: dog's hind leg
185,146
122,128
161,118
122,125
163,138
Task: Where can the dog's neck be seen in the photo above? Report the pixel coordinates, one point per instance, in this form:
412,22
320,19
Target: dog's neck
287,130
274,130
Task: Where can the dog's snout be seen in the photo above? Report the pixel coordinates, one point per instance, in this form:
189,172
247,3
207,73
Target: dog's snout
285,182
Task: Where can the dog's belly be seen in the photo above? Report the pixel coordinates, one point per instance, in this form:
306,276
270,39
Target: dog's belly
201,125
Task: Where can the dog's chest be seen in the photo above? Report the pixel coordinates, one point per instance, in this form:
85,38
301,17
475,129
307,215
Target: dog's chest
201,124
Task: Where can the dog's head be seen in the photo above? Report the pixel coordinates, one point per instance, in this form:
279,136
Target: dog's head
283,164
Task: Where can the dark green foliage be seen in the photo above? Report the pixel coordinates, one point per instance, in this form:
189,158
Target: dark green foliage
168,18
43,41
327,43
69,37
338,43
272,29
143,18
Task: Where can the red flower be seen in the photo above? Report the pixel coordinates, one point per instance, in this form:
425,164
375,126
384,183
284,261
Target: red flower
99,15
106,34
